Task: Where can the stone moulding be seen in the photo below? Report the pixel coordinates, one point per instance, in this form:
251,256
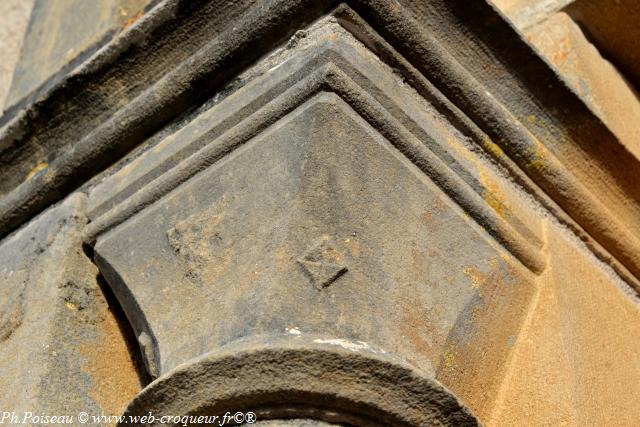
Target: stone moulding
302,378
513,106
325,69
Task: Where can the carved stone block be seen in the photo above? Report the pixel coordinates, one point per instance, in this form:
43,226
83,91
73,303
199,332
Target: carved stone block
368,212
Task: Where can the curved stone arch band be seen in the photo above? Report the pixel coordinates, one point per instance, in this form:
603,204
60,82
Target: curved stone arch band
333,381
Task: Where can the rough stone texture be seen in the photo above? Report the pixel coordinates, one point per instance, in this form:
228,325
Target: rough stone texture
602,87
213,240
61,348
527,13
575,363
363,212
613,26
553,140
581,65
14,17
64,33
580,38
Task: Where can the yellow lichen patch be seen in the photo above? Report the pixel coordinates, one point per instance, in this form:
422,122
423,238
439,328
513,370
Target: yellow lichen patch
493,195
504,256
494,149
448,359
476,313
475,275
544,131
537,156
495,203
455,144
48,175
478,277
37,168
129,22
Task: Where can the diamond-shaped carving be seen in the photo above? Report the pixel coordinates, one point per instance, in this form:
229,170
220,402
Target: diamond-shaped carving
322,263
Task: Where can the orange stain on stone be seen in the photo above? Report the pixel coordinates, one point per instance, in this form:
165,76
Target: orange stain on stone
111,368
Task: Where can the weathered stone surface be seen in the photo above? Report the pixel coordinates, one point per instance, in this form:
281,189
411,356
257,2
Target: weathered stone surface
527,13
61,349
337,381
565,40
592,194
590,75
575,363
240,255
326,213
14,17
613,26
246,222
64,33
